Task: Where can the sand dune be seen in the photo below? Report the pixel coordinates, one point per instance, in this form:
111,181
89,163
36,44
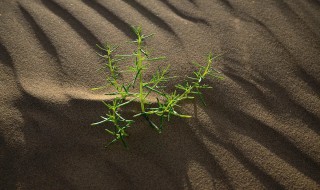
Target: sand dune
260,130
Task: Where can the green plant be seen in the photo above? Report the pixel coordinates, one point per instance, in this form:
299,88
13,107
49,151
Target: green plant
124,94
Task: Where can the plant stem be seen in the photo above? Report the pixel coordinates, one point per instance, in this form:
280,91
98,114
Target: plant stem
113,75
140,70
115,118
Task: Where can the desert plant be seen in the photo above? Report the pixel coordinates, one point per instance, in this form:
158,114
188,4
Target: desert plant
125,93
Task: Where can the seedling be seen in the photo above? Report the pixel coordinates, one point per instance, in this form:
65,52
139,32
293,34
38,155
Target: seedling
140,88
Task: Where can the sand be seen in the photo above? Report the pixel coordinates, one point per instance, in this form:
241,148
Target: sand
260,129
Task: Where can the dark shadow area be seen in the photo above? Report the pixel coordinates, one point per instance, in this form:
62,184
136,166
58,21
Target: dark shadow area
8,172
111,17
310,119
268,181
72,21
8,155
43,39
315,3
184,16
49,141
226,4
150,16
266,135
312,82
193,2
5,57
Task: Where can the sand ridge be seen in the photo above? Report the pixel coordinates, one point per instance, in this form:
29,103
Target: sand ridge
260,129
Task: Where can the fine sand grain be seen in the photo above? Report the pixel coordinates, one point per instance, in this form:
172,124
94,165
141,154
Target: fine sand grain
260,129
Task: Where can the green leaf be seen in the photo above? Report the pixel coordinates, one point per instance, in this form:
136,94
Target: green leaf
148,36
114,48
105,103
135,78
130,55
139,114
111,132
144,52
125,103
101,47
151,124
113,141
193,78
155,59
99,122
113,93
123,142
182,116
117,60
103,56
197,64
155,90
98,88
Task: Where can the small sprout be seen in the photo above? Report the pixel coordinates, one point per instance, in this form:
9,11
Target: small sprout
123,94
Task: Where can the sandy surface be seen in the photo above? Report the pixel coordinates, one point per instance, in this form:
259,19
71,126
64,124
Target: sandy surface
260,129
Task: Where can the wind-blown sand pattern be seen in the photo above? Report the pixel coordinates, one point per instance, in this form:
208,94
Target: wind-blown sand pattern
260,129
